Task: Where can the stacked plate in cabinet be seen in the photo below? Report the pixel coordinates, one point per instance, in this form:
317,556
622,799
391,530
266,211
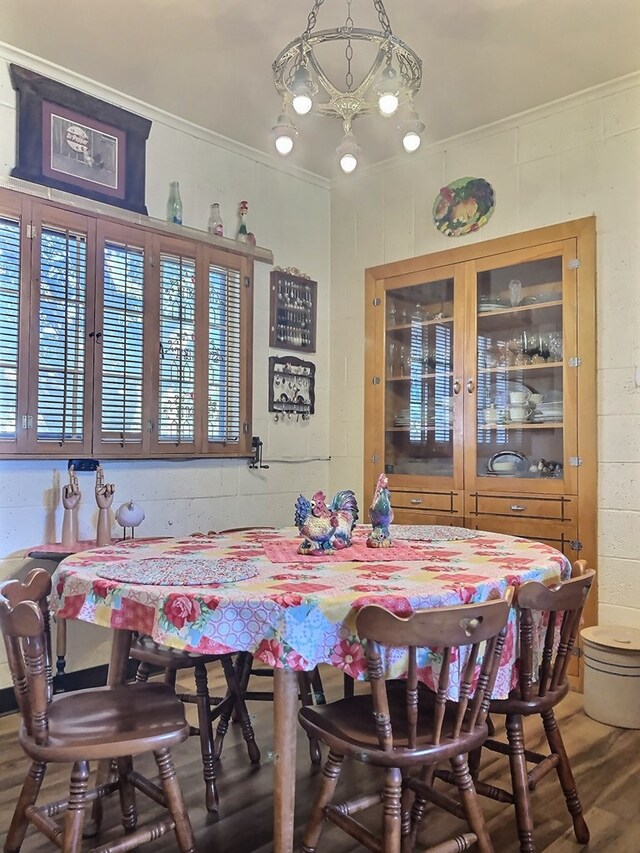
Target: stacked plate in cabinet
546,412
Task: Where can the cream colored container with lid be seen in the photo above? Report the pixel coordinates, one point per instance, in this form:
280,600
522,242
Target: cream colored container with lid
612,675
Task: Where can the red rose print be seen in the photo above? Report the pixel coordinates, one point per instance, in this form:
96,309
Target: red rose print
349,657
211,603
288,599
296,661
179,609
270,652
102,588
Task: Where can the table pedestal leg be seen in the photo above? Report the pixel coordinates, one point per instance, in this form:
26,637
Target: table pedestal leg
285,707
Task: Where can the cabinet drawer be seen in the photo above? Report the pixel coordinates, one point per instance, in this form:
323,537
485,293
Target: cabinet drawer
412,516
428,502
559,536
552,508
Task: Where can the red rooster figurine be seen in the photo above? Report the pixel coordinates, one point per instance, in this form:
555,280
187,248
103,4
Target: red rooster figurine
326,528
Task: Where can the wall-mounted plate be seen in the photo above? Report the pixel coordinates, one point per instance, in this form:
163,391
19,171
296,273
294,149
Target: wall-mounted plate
463,206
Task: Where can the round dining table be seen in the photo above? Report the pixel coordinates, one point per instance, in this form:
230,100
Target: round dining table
251,591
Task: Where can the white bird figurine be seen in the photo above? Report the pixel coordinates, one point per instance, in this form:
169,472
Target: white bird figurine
129,515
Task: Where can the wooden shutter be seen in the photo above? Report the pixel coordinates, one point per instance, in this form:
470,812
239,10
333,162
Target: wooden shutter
120,416
60,392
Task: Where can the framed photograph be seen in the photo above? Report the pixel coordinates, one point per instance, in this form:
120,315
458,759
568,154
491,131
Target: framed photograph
77,143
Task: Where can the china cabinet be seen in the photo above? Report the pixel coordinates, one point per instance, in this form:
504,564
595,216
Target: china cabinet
480,387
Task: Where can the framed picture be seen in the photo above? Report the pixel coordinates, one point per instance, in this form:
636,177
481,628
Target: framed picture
77,143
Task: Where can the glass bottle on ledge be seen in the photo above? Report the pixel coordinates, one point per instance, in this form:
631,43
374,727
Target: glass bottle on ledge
174,204
215,225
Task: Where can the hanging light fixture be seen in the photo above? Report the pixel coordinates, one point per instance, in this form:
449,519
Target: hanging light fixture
392,79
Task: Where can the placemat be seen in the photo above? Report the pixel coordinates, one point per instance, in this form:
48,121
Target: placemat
165,571
286,551
431,533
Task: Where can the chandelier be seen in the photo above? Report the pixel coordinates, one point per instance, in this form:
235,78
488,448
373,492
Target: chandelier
391,81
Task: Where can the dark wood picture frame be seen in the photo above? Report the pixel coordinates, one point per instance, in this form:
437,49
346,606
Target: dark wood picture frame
74,142
293,312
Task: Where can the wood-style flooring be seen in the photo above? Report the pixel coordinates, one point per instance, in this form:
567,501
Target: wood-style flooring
606,763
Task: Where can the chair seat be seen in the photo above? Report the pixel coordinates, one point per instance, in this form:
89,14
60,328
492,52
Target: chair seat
342,726
109,722
514,704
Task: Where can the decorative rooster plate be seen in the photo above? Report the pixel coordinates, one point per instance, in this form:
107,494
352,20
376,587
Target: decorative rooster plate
463,205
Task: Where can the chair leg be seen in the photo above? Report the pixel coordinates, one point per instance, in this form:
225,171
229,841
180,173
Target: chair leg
318,687
241,710
565,775
419,804
520,783
392,812
206,736
326,789
170,675
306,690
28,796
142,673
349,685
175,802
72,838
127,794
471,803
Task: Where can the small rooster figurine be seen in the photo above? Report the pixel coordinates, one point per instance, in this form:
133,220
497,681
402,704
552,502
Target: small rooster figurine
326,528
380,515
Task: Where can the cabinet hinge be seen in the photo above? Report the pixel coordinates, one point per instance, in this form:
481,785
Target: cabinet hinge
575,461
27,421
575,544
31,231
246,428
375,457
574,264
576,361
576,652
377,301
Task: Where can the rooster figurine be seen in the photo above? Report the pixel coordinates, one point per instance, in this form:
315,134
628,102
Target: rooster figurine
380,515
326,528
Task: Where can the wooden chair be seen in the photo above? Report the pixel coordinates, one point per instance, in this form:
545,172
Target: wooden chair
392,727
88,725
540,688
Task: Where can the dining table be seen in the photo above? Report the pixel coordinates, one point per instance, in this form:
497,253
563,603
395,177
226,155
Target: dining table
251,591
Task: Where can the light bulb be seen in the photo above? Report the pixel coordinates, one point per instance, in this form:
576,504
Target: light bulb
284,134
284,144
302,104
388,103
348,163
411,141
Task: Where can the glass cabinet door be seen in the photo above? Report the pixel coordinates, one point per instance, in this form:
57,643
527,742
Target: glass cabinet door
419,384
525,395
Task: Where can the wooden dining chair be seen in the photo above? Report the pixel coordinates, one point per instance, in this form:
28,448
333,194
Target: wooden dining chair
112,723
394,728
541,686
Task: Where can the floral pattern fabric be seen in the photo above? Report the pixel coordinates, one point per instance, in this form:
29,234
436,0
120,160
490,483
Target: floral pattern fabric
298,614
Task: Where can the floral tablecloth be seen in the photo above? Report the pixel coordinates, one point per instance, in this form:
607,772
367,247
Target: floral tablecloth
300,613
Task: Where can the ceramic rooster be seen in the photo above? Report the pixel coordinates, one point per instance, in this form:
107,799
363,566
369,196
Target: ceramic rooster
326,528
380,515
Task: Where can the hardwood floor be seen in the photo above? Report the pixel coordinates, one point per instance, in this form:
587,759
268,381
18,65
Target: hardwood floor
606,763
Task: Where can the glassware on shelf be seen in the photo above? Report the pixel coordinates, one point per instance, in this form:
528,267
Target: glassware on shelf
215,224
515,292
403,362
174,204
392,313
417,313
391,359
555,346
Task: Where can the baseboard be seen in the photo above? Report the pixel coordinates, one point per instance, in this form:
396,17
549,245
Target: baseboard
93,676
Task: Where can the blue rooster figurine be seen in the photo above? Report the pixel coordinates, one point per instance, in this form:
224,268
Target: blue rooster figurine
326,528
380,515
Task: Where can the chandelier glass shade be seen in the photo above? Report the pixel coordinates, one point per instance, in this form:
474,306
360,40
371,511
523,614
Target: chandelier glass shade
378,73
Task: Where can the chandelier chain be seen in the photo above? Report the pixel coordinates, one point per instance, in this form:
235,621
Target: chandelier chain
348,25
383,17
313,18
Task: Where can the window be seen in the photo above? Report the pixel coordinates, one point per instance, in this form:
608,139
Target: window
119,340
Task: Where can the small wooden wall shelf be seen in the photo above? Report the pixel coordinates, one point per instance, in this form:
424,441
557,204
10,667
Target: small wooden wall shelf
293,312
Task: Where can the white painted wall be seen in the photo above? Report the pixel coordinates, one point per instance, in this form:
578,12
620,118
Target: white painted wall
289,213
570,159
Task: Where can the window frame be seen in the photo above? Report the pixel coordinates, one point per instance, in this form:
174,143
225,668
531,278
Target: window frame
153,238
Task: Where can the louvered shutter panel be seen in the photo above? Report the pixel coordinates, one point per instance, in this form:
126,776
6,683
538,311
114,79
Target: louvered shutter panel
61,334
9,326
176,387
122,344
223,421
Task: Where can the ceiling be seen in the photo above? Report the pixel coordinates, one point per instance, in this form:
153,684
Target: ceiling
209,61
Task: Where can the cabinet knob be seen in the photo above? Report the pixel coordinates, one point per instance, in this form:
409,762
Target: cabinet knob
456,386
416,501
517,508
470,385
